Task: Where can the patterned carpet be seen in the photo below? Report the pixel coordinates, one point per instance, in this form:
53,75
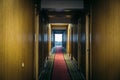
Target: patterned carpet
60,71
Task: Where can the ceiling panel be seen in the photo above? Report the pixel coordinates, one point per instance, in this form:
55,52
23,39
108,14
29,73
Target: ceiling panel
62,4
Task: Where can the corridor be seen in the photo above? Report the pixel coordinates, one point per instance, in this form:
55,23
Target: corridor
59,66
60,71
59,39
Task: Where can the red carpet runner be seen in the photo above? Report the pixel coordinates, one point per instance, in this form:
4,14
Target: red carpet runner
60,71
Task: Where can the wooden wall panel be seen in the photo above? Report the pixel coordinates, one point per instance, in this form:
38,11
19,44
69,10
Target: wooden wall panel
99,59
49,38
106,40
36,46
16,39
40,44
68,39
1,42
43,42
83,46
79,51
75,42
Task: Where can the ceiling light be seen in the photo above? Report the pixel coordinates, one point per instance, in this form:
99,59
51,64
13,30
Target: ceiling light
68,16
51,16
67,10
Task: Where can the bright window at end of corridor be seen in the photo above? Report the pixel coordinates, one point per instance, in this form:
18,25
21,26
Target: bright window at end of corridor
58,37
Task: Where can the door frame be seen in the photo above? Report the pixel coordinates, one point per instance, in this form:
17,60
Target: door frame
36,44
87,47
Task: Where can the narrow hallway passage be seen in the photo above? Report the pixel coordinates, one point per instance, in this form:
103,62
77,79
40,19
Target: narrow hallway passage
59,66
90,31
60,71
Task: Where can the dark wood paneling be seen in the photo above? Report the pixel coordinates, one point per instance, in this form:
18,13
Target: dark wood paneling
106,40
83,46
75,42
16,39
40,45
43,42
82,43
1,42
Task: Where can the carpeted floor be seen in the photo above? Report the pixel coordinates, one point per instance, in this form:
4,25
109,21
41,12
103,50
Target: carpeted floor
60,71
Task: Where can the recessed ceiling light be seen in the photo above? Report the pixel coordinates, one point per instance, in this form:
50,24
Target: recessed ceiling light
67,10
68,16
51,16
